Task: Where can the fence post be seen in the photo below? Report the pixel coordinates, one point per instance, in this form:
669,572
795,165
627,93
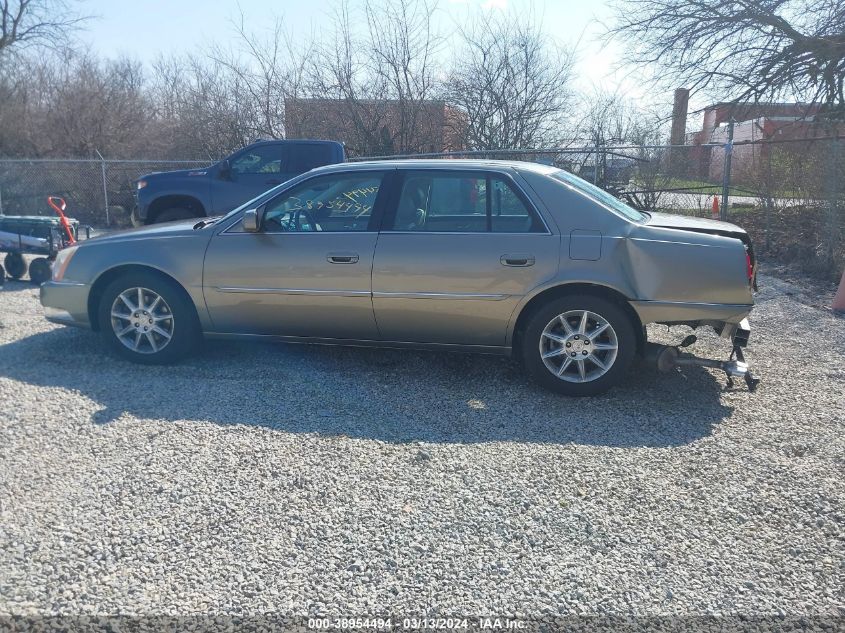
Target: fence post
105,185
596,166
832,230
726,170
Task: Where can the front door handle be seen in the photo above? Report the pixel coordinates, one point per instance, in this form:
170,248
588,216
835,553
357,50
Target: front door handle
517,260
342,258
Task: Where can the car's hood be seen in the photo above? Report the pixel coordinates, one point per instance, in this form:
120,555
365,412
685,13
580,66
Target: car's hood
168,229
699,225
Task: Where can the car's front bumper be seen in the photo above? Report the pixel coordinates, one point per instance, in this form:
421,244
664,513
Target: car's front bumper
65,303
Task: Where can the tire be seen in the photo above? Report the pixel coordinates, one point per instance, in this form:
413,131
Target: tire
173,314
613,348
39,270
175,213
15,265
2,275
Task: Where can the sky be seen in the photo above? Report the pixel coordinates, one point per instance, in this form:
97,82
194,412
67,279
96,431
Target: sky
144,30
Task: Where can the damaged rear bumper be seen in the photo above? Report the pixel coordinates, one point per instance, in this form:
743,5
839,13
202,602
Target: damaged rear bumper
688,312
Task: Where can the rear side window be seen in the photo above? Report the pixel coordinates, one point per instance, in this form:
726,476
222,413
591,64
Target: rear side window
306,157
507,210
462,202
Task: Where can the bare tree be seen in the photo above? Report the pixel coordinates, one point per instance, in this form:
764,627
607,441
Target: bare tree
607,119
29,22
511,81
753,50
72,104
202,109
403,47
271,67
380,81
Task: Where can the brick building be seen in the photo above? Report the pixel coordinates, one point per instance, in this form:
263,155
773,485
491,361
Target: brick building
798,123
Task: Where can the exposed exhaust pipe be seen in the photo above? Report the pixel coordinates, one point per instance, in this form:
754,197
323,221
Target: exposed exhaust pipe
668,357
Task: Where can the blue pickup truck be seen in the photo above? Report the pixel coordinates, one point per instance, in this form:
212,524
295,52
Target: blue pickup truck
196,193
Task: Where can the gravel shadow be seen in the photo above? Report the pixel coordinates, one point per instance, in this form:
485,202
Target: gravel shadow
386,395
12,285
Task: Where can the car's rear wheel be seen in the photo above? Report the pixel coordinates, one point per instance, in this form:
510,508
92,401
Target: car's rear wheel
175,213
578,345
146,318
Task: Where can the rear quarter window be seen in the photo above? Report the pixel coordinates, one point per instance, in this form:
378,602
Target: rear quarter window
599,195
304,157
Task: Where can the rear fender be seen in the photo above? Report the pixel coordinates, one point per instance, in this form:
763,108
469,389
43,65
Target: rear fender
685,266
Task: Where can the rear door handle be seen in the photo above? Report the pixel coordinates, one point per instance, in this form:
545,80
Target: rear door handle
342,258
517,260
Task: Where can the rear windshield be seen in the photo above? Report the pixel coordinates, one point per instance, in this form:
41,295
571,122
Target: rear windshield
599,195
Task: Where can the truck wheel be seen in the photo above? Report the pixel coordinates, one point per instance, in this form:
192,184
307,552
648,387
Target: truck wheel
579,345
15,265
148,319
175,213
39,270
2,275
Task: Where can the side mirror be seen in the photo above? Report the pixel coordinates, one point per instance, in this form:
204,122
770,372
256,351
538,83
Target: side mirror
251,221
225,171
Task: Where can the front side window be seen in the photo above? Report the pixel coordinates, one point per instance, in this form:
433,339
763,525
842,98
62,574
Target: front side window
339,202
260,160
459,202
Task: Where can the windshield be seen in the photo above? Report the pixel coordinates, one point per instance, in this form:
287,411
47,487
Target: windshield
599,195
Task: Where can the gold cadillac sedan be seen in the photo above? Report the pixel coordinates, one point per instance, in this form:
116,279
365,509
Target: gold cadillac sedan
485,256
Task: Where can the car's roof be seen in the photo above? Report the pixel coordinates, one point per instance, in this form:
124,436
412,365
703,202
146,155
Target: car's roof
291,141
437,163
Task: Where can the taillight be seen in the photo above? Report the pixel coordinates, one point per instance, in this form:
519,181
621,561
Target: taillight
749,267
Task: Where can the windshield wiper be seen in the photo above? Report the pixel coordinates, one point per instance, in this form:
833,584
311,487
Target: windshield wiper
205,222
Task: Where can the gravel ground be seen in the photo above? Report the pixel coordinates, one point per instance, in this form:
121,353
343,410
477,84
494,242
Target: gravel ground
306,480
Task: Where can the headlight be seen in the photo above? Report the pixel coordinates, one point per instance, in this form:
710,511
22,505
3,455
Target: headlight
142,184
62,261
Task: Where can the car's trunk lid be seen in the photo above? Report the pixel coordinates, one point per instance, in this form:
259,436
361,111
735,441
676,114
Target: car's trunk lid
704,225
699,225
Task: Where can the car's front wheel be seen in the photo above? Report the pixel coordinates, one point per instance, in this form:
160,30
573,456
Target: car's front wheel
578,345
147,318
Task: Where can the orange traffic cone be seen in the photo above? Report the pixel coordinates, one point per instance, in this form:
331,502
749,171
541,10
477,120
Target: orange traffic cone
839,300
715,208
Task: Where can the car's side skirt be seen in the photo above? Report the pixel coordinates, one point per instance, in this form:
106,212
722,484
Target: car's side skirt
474,349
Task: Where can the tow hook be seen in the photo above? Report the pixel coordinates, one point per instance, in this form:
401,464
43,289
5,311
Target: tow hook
668,357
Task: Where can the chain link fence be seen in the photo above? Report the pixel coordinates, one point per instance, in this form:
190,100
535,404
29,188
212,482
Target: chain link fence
787,194
97,192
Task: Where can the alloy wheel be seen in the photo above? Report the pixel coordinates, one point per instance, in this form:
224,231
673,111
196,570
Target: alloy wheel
578,346
142,321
